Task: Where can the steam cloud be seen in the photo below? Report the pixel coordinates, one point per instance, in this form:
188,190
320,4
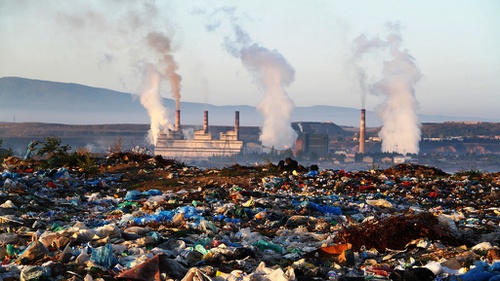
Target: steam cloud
272,72
151,100
134,29
401,127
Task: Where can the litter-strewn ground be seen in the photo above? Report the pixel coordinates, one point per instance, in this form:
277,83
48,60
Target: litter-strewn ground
143,218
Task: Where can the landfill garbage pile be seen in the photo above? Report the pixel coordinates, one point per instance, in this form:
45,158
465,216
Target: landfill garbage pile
151,219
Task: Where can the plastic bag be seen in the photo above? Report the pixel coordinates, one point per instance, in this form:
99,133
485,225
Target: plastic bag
104,256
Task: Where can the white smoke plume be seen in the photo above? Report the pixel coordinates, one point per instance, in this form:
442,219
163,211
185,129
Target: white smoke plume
272,72
151,98
400,131
152,101
129,35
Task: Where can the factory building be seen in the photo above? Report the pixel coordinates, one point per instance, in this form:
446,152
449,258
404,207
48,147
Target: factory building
312,143
173,144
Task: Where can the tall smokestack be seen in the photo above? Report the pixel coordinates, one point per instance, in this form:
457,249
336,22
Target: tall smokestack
205,121
362,130
237,124
177,120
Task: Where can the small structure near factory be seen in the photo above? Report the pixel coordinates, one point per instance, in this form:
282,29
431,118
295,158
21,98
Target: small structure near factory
318,144
173,144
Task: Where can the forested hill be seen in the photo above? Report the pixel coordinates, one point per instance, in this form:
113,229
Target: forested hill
460,129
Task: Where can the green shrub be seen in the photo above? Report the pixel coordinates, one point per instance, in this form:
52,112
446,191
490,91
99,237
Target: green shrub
4,152
57,154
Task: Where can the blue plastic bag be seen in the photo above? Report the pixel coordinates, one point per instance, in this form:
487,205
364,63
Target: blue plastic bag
324,209
133,195
104,256
152,192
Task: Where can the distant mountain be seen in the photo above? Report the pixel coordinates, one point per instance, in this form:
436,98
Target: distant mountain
27,100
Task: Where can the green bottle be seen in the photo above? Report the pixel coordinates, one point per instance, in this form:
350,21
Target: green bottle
263,245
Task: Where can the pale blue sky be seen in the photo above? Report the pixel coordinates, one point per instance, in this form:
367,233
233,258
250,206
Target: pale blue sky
455,43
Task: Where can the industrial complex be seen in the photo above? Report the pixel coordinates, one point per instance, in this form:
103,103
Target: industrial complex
200,145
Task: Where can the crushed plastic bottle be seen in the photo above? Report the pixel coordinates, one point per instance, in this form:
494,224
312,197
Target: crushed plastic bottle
263,245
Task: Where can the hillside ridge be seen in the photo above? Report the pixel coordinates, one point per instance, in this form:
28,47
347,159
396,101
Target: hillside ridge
30,100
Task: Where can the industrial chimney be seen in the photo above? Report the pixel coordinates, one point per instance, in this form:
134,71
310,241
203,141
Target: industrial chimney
362,130
177,120
237,124
205,121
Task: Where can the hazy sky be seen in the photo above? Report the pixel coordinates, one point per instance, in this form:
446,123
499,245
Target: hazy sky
455,44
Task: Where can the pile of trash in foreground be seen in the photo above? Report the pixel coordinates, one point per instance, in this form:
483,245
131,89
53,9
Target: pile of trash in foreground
408,222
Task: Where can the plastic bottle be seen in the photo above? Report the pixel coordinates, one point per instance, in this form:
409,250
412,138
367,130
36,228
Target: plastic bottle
263,245
199,248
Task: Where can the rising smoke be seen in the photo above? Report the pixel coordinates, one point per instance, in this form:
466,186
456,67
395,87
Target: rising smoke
133,28
161,44
272,72
151,98
401,127
152,101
